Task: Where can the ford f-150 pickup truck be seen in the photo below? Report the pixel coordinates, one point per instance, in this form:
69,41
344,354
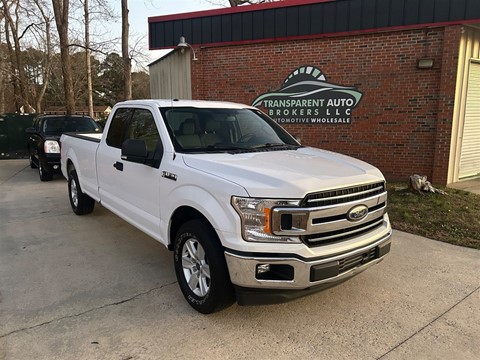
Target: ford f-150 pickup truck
249,213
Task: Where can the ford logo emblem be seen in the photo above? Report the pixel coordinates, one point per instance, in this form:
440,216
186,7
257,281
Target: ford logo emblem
357,213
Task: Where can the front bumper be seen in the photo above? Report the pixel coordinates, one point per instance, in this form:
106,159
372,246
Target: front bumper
51,160
290,276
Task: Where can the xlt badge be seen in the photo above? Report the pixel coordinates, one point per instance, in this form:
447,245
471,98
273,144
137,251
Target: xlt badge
169,175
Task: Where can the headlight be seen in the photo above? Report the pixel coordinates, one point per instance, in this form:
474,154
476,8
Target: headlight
256,217
51,147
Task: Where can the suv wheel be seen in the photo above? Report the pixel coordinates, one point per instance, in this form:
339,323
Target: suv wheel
45,172
32,164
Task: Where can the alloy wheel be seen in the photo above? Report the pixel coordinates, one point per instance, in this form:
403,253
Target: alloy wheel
195,267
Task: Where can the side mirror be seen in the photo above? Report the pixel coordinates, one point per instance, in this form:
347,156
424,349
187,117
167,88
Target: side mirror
134,150
30,130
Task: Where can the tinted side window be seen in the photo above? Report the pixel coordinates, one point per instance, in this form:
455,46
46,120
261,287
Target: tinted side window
117,127
36,123
142,127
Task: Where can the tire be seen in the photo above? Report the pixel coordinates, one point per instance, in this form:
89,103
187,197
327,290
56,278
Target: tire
32,164
201,269
45,172
81,203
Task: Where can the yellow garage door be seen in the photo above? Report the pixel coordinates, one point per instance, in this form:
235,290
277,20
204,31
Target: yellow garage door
470,156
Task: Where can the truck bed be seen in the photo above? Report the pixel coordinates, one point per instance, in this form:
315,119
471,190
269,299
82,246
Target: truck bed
81,148
96,137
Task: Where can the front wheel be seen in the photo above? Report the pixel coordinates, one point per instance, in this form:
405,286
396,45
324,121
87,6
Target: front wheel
45,172
32,163
81,203
201,268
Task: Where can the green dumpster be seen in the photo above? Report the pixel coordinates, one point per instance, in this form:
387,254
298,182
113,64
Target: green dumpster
13,140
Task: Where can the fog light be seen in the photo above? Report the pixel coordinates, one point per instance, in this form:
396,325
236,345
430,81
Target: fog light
263,268
274,272
56,167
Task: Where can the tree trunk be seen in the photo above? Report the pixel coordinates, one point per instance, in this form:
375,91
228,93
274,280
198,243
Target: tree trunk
127,62
88,59
2,85
60,9
48,63
13,70
11,24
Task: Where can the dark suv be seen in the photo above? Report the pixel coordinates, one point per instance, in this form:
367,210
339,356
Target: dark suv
44,140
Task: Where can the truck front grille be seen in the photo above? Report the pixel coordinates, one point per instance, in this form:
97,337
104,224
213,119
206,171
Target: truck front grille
341,234
328,220
345,195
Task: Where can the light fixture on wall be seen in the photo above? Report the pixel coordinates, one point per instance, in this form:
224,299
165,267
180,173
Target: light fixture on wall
424,63
183,44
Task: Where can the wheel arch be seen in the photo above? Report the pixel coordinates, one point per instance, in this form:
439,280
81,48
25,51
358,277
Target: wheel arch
180,216
68,162
70,166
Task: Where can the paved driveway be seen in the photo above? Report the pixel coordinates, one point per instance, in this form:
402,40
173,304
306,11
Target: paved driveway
93,287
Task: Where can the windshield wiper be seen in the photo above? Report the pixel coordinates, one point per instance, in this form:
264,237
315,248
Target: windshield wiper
236,149
217,149
221,147
275,145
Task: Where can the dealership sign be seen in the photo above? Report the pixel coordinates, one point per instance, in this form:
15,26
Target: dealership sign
307,98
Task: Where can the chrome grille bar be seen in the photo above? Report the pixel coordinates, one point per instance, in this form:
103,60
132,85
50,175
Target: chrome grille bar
340,196
314,239
366,192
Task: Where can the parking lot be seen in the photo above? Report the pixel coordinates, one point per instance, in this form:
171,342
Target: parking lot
94,287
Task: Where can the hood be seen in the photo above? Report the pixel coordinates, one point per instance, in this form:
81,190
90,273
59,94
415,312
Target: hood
286,174
53,137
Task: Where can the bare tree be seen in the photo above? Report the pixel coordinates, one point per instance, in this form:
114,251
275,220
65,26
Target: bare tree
88,58
2,61
234,3
127,62
48,56
241,2
15,51
60,9
7,69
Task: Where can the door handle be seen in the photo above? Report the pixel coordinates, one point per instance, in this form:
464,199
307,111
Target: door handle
118,165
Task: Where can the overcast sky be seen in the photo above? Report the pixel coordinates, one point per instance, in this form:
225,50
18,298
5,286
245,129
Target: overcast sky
140,10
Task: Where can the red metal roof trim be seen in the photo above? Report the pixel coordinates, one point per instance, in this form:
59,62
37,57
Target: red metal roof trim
235,10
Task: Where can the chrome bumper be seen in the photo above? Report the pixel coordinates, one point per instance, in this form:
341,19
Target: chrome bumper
301,274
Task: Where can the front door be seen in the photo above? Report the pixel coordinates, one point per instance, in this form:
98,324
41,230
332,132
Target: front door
129,189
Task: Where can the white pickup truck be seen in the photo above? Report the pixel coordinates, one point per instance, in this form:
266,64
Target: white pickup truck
249,213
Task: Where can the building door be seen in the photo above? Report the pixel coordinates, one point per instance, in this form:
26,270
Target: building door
470,155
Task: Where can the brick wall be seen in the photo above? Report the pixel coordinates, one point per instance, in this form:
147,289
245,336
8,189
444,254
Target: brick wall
403,122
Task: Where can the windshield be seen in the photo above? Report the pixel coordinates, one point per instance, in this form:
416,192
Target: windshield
59,125
215,130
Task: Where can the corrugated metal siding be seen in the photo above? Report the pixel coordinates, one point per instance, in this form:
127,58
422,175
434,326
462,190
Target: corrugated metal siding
325,17
170,77
469,50
470,156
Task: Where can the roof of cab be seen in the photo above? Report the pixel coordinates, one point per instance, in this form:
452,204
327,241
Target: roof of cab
184,103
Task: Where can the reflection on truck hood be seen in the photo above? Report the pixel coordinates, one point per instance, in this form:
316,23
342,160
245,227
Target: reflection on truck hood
294,172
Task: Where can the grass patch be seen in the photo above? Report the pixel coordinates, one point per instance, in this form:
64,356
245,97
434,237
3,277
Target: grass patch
452,218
